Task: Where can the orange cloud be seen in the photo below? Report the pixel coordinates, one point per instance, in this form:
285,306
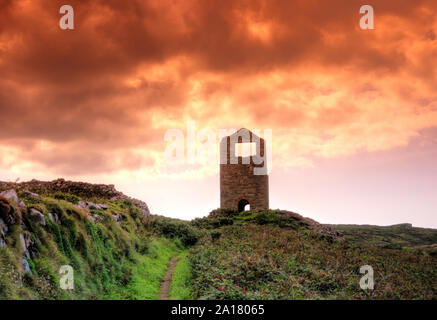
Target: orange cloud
98,99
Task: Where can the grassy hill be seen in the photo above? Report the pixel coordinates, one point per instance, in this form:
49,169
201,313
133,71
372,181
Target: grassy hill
118,250
400,236
259,258
115,247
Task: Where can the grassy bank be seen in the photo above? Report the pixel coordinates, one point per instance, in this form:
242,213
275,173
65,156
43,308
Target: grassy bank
115,251
180,288
101,253
274,260
149,270
396,236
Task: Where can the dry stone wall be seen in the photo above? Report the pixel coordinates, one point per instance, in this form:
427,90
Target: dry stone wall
80,189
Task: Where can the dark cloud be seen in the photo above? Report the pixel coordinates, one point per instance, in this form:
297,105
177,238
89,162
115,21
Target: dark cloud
103,83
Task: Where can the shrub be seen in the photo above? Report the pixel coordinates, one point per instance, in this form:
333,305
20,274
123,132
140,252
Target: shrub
212,222
173,228
223,213
67,197
264,261
215,235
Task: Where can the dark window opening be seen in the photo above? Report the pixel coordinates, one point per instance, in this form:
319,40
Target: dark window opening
243,205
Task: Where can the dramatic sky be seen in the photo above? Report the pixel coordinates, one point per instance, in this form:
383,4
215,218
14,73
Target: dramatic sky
353,112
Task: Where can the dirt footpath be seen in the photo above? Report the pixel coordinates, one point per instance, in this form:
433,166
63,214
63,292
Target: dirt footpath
166,281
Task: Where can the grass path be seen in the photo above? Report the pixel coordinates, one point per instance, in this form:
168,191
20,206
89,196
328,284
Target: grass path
162,273
181,281
166,281
149,271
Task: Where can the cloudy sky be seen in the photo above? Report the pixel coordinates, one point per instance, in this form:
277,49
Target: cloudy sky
353,112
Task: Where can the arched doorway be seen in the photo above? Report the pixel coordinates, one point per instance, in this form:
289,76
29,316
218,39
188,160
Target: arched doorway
243,205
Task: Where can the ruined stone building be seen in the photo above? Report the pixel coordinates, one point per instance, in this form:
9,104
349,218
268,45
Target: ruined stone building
243,177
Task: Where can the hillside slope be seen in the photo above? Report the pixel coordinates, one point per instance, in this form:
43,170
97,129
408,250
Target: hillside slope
263,256
115,248
396,236
118,250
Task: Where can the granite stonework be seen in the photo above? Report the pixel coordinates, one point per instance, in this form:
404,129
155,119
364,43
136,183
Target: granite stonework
243,180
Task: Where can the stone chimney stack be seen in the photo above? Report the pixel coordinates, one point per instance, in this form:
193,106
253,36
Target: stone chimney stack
243,175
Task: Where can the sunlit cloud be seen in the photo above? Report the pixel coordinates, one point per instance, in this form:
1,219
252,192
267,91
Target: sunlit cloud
95,103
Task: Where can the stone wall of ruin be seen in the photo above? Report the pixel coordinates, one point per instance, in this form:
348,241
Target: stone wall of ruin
238,181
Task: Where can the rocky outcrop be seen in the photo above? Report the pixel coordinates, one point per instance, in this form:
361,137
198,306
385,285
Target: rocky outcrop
3,228
36,217
54,217
7,212
9,195
93,206
83,190
5,208
25,265
31,194
3,231
31,210
28,245
142,206
12,208
311,224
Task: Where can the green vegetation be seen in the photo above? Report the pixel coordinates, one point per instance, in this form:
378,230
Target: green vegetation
222,217
119,253
174,228
180,288
67,197
251,258
149,271
401,236
123,258
101,254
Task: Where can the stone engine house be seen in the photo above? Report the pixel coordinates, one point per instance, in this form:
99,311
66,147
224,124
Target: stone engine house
243,178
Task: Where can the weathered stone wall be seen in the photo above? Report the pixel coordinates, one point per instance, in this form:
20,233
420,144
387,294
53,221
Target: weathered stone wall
237,180
80,189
